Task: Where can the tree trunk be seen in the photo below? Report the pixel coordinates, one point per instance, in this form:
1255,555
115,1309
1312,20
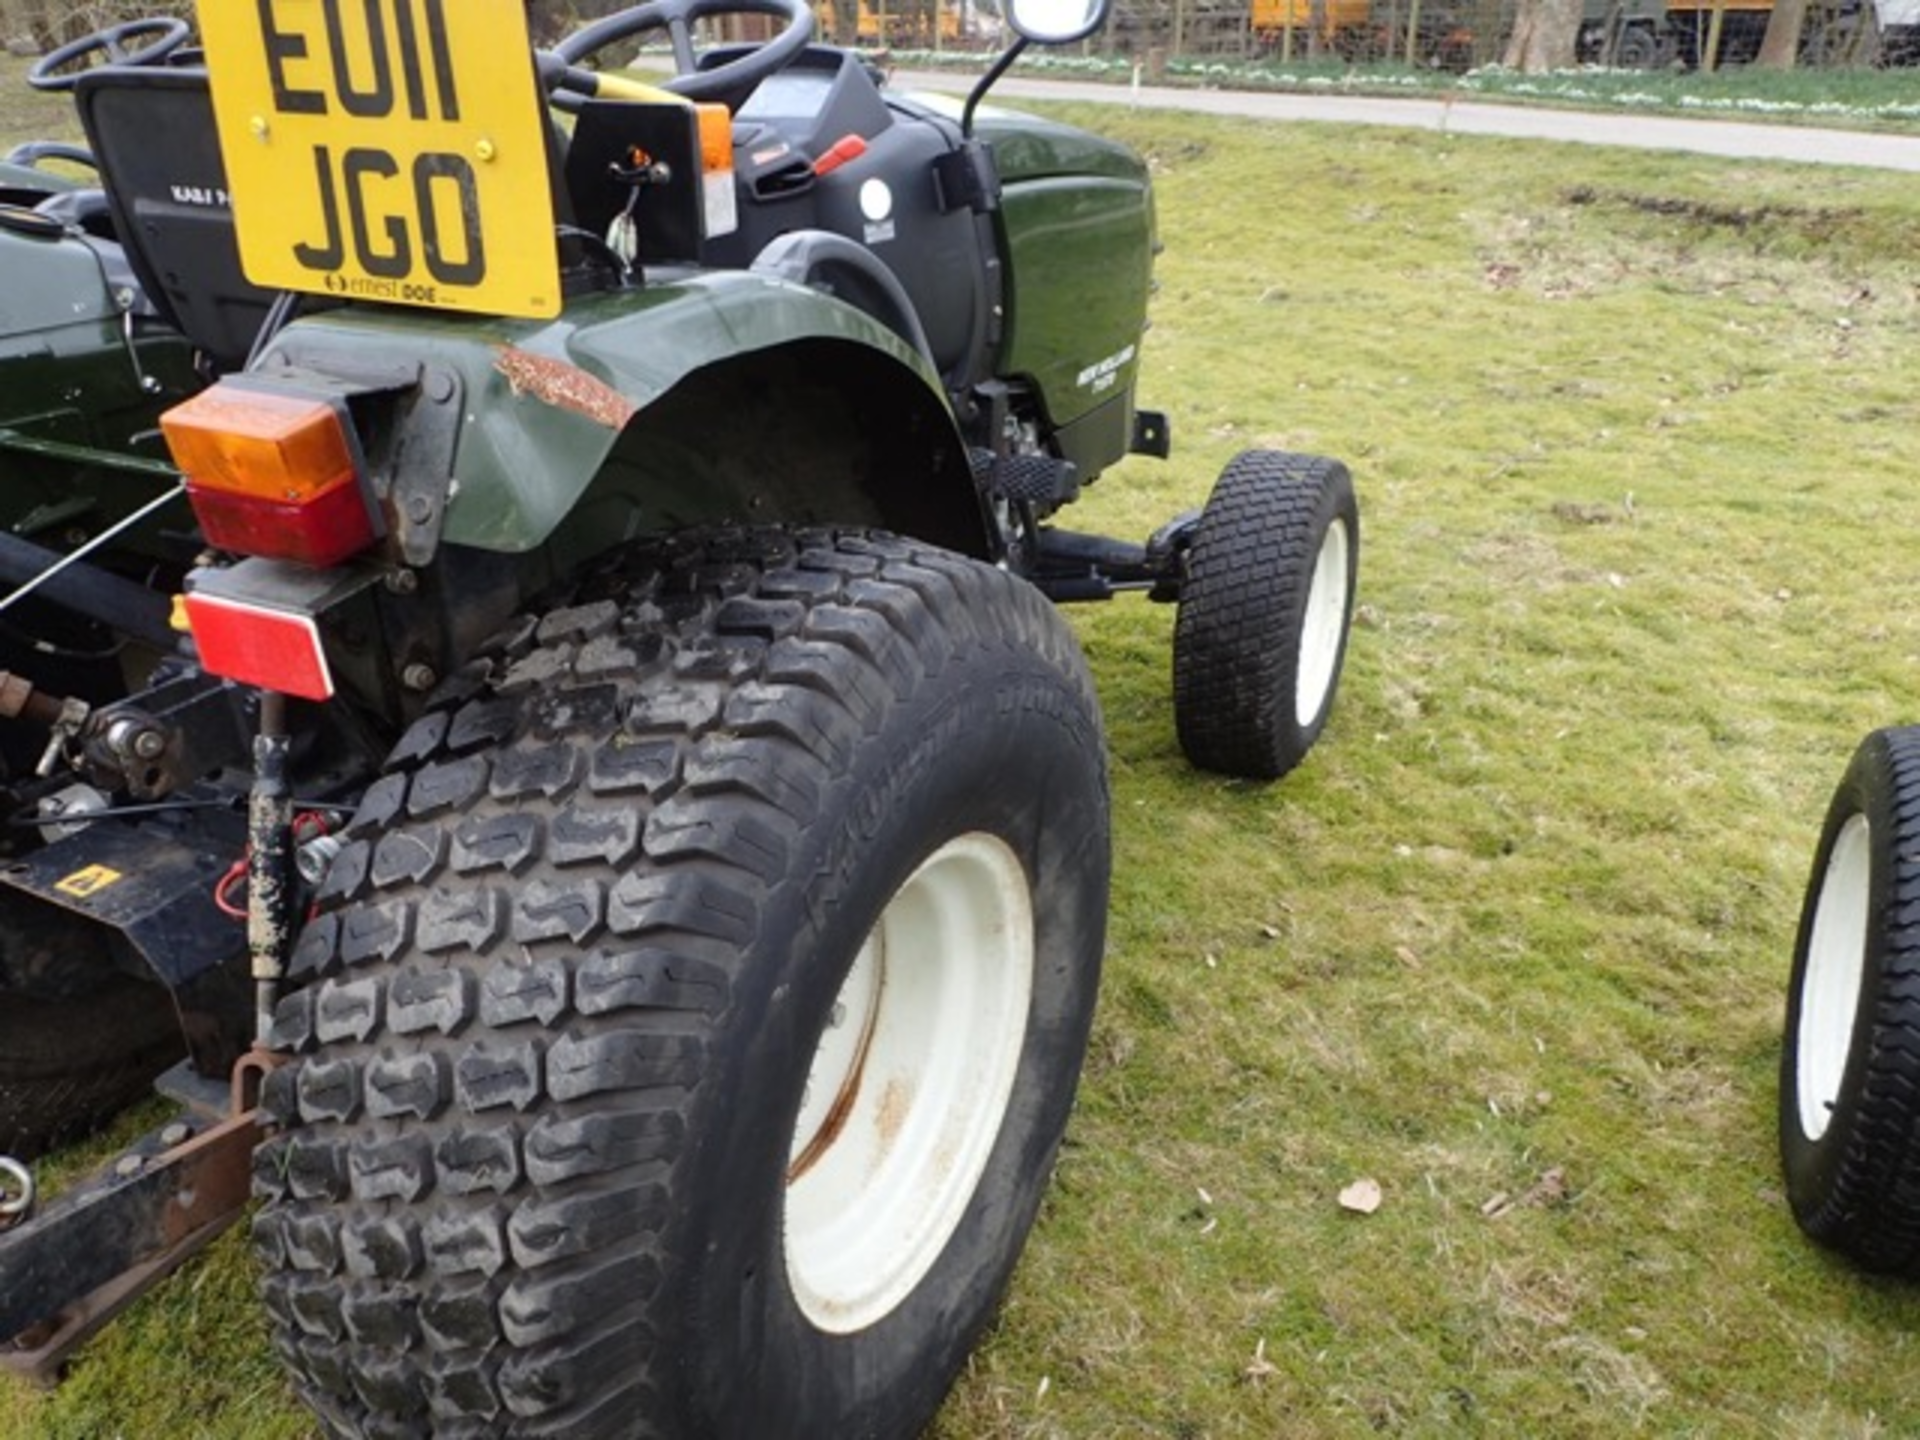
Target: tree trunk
845,22
1780,49
1544,35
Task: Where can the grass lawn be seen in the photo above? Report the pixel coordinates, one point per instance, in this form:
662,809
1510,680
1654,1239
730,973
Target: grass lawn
1636,441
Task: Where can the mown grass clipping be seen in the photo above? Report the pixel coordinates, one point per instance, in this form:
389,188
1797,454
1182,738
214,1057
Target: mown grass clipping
1636,439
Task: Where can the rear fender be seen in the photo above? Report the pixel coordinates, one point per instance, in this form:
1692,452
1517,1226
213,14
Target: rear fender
708,396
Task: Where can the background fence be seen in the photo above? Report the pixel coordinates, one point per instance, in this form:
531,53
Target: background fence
1449,34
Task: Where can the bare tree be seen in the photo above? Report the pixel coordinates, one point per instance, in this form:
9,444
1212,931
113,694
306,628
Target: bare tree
1545,33
1780,48
47,23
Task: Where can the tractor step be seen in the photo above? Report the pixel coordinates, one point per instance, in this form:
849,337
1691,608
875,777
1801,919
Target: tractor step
1037,480
1042,481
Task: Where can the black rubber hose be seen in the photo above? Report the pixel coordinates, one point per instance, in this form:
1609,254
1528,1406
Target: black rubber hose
90,591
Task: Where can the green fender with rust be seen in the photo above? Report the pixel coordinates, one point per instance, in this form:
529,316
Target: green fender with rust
552,408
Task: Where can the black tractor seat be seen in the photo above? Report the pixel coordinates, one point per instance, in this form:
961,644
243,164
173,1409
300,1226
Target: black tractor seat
152,133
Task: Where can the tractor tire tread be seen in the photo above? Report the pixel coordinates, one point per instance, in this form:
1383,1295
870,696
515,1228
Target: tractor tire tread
1870,1207
496,1230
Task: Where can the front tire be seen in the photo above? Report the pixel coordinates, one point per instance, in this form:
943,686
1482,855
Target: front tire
698,1007
1850,1069
1265,609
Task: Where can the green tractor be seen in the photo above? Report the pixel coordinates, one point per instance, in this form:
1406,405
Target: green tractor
531,661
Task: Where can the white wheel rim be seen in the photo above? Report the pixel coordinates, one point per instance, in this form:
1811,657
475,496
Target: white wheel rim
1830,984
1323,626
909,1084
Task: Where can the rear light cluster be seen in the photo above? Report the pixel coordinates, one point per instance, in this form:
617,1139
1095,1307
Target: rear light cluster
273,474
278,476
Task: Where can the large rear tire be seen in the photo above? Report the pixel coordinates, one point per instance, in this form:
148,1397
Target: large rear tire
697,1007
1265,608
1850,1070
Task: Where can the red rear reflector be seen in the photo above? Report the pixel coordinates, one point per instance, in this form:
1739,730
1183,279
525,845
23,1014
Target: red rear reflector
269,649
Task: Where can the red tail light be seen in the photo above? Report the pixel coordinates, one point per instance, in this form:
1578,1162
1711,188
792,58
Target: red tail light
273,474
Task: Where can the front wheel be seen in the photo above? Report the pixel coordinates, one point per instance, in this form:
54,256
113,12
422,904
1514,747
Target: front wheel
1850,1069
1265,609
697,1007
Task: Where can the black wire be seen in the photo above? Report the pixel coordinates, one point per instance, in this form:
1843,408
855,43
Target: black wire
599,248
168,807
118,812
63,652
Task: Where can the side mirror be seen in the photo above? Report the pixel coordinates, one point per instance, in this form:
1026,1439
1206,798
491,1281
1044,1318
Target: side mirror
1056,22
1036,22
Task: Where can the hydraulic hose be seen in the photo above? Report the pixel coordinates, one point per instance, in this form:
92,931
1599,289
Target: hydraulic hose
90,591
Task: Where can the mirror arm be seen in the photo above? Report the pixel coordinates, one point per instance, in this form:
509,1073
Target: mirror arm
994,72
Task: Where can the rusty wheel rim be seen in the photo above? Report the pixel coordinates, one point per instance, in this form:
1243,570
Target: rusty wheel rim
910,1080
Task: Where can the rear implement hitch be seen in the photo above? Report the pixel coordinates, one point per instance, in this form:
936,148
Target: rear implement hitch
90,1252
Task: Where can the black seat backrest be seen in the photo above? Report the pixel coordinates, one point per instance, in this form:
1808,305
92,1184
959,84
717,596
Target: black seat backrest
153,134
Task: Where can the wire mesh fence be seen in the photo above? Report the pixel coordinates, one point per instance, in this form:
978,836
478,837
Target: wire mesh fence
1448,34
1445,34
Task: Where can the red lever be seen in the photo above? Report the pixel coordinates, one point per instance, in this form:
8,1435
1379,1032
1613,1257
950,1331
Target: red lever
850,147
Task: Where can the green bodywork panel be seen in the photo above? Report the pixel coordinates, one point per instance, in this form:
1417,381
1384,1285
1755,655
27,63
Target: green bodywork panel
80,397
1027,147
55,296
21,179
1079,252
68,368
554,410
1077,213
1077,232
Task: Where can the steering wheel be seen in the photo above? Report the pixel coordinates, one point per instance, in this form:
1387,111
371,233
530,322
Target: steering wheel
30,153
728,83
117,43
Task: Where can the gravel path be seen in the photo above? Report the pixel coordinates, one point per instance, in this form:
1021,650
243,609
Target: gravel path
1646,132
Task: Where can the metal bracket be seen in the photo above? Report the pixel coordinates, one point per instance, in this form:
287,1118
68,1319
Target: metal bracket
419,474
967,179
95,1249
151,882
39,1355
1152,435
160,740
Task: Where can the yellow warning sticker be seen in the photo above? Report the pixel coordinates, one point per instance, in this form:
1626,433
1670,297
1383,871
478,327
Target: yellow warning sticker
90,881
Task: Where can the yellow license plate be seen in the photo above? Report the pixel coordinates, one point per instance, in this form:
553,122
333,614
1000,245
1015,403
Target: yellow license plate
391,150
